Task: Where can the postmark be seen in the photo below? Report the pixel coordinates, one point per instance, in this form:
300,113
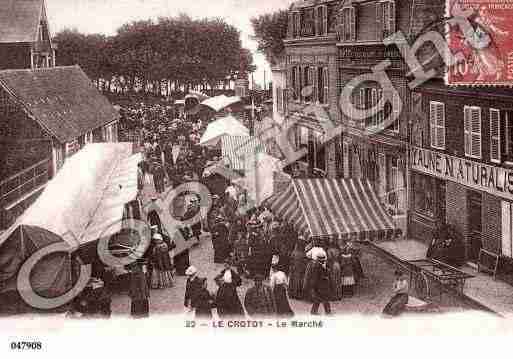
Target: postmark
486,42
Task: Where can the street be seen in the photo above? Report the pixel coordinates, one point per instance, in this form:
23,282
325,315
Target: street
370,297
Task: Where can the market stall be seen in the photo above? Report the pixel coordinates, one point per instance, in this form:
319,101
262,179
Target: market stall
226,126
344,208
97,191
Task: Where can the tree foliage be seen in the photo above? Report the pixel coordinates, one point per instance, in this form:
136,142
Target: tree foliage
270,31
148,55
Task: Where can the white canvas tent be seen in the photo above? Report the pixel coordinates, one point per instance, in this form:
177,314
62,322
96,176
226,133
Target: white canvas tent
221,102
87,197
261,176
226,126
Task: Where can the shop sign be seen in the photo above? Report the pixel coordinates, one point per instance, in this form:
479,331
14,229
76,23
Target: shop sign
495,180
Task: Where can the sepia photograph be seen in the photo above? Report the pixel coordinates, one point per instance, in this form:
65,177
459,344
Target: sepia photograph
254,167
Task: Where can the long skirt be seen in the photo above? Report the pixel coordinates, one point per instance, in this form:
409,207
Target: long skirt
140,308
396,305
283,308
307,280
336,280
161,279
297,276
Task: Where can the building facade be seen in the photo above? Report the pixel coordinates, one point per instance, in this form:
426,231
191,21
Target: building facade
311,74
25,37
461,167
329,44
46,116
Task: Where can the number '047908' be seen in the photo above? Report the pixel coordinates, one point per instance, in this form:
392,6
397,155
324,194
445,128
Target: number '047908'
26,346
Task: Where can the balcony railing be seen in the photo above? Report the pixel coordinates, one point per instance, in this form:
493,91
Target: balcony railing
24,182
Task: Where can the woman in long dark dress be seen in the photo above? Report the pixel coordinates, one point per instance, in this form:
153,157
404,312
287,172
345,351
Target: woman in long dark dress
333,254
139,292
227,300
220,241
203,301
298,263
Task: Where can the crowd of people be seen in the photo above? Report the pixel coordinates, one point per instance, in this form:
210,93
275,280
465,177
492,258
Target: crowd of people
256,244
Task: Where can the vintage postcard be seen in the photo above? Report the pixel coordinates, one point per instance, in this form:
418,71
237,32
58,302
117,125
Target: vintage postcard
271,168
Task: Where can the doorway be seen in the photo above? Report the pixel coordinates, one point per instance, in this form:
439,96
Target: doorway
474,244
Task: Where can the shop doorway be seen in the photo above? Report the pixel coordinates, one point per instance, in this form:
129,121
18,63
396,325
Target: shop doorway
474,244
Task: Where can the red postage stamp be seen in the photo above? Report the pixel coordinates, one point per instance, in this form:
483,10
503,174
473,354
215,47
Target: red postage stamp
481,31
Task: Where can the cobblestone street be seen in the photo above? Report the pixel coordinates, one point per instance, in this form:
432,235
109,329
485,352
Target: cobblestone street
371,296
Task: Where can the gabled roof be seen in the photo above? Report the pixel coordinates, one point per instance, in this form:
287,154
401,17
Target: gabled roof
61,99
19,20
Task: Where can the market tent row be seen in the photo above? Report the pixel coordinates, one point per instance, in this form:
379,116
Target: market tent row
347,208
219,103
263,177
87,200
226,126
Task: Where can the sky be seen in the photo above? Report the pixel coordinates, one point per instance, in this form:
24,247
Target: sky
105,16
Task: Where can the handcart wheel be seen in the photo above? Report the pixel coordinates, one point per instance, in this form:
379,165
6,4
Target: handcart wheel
421,286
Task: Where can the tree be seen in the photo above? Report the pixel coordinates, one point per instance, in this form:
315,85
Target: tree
270,31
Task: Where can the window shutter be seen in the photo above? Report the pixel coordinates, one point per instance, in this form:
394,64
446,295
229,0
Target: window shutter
374,95
507,249
440,125
325,82
495,145
324,20
391,18
314,82
382,173
476,132
379,20
341,25
353,23
432,123
396,111
285,101
467,131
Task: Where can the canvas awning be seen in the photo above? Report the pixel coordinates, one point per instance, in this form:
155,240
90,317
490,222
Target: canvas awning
87,196
333,207
236,150
262,176
226,126
221,102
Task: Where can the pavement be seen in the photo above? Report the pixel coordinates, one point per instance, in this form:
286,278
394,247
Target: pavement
370,298
495,294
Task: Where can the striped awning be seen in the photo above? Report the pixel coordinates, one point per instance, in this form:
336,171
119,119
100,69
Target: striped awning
238,149
333,207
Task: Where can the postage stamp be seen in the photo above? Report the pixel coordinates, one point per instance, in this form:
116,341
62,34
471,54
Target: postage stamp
485,40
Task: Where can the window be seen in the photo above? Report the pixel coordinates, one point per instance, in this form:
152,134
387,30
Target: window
308,23
437,124
495,135
507,229
472,124
307,81
385,18
322,20
348,25
423,194
322,85
325,88
296,24
295,83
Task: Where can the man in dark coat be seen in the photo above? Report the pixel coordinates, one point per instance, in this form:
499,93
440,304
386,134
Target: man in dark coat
259,300
220,241
320,285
